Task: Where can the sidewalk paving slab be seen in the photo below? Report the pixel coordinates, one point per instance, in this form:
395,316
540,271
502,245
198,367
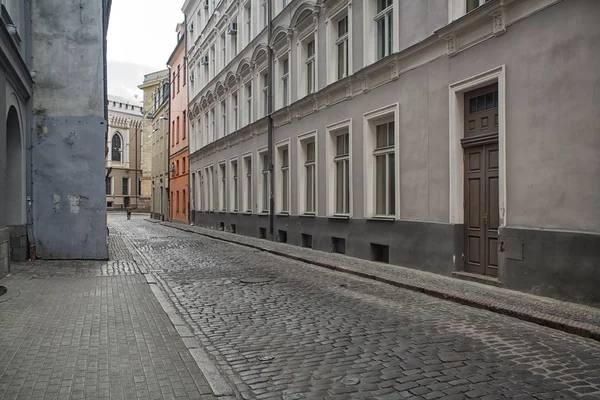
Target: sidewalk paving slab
86,329
578,319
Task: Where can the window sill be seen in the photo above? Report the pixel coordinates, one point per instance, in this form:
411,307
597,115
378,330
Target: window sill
381,218
233,212
263,214
339,216
283,214
222,212
247,213
308,215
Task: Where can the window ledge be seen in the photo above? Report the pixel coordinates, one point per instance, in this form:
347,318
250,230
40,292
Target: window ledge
233,212
308,215
339,216
247,213
381,218
283,214
222,212
263,214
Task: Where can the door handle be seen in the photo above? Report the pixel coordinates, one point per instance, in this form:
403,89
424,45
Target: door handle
485,219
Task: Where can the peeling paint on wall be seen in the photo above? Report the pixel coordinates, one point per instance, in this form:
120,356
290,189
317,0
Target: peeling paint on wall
56,202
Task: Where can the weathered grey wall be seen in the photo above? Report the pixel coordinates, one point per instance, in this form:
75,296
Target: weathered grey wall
70,209
67,57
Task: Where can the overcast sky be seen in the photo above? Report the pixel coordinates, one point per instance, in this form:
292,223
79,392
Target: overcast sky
141,37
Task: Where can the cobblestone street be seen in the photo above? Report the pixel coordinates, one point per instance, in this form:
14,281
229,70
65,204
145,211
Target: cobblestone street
283,329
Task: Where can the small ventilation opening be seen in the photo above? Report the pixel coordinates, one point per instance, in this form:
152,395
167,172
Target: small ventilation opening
262,233
380,253
307,240
233,228
283,236
338,245
221,226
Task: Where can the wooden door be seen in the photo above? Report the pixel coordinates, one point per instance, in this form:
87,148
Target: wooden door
481,195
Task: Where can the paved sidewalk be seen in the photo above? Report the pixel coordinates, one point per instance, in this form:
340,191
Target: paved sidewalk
574,318
94,330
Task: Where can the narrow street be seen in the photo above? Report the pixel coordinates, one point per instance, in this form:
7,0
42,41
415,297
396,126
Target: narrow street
283,329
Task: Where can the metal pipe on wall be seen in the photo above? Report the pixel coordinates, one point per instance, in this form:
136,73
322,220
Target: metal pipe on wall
270,151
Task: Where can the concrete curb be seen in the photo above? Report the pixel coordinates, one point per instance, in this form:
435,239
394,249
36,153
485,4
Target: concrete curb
561,324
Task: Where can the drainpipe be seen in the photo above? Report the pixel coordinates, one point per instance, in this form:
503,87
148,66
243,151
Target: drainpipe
270,119
169,149
28,136
187,96
137,185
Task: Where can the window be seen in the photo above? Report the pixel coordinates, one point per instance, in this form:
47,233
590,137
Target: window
222,187
234,102
125,187
234,186
310,67
223,127
206,123
210,184
116,148
178,77
173,134
248,15
265,91
342,48
265,16
284,205
213,71
183,201
342,173
177,131
385,31
173,84
177,202
285,77
248,184
310,189
249,102
212,124
109,185
177,168
184,126
264,183
223,51
184,73
473,4
233,43
385,170
183,166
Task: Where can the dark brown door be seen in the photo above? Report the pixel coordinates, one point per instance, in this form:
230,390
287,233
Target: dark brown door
481,181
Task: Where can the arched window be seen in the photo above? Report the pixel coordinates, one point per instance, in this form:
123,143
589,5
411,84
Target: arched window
117,147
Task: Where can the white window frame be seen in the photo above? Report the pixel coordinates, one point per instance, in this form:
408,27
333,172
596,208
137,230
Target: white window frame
233,39
248,23
223,57
213,124
370,121
200,175
264,78
210,186
264,17
234,109
222,186
370,15
212,62
248,99
333,40
264,170
248,192
333,131
384,15
206,129
223,120
284,80
234,185
280,169
302,188
304,62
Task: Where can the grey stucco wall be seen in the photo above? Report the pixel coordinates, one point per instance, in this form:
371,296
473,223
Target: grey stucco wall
68,180
67,48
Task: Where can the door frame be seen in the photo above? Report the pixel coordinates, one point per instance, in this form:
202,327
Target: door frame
456,133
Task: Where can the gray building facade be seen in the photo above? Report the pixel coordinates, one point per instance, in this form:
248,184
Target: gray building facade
457,137
51,174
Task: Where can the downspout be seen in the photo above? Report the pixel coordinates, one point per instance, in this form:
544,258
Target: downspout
168,152
270,120
137,185
29,136
187,96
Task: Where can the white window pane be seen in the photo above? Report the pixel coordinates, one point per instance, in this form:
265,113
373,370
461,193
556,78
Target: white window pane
380,185
392,184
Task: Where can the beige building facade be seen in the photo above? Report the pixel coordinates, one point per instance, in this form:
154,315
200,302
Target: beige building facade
156,106
124,158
